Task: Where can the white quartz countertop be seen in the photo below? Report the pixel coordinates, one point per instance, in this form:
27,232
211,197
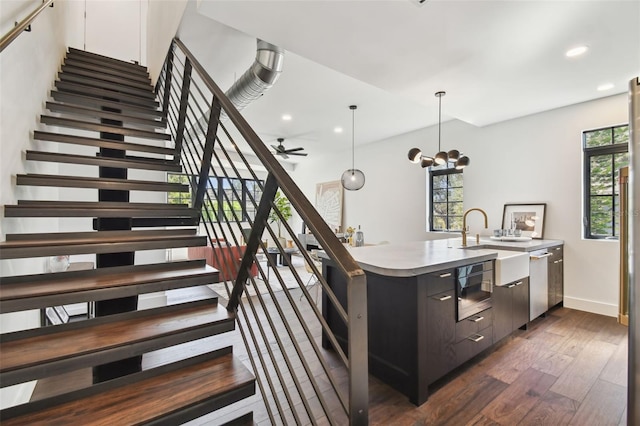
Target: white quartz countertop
414,258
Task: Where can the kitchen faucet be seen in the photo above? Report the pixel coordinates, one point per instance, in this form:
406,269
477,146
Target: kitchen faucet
464,223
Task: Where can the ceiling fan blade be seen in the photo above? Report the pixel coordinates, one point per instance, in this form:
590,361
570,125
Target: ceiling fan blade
303,154
294,149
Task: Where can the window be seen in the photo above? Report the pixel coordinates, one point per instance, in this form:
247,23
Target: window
446,198
178,197
231,197
605,152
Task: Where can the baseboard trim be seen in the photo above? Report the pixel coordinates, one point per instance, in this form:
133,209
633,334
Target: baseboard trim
591,306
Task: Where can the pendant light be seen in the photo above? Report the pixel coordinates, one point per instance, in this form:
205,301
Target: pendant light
442,157
352,179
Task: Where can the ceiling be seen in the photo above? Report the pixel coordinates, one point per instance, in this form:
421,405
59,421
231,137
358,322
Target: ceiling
497,60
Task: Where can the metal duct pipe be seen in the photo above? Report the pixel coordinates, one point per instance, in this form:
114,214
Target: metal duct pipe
256,80
260,76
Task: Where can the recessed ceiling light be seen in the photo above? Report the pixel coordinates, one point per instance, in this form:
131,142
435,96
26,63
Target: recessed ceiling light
286,117
337,129
576,51
606,86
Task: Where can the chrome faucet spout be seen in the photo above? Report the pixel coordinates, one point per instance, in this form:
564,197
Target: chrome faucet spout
464,223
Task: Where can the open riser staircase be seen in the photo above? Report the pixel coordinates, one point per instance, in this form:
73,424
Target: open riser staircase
114,102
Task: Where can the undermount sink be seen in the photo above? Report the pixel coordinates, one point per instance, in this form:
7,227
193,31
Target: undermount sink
509,265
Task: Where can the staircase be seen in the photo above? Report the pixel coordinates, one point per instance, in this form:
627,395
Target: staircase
112,100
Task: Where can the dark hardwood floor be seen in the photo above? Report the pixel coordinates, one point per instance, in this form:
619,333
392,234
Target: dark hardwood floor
569,368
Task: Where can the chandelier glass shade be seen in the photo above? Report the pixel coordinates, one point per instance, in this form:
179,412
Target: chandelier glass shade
441,157
352,179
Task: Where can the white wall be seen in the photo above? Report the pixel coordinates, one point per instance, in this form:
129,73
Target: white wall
163,20
28,68
537,158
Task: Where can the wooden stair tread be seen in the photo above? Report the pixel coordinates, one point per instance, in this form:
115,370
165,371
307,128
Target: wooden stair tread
124,163
106,61
66,86
93,236
107,204
103,143
95,209
98,113
98,102
41,245
146,93
98,127
198,387
32,354
80,64
42,290
99,183
102,76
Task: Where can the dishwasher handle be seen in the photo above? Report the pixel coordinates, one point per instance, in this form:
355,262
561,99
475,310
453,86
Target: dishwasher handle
540,256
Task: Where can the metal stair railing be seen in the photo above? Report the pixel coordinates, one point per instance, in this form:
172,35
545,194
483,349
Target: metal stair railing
24,25
282,328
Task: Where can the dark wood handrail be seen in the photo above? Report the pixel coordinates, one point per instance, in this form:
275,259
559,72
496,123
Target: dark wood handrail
325,236
22,25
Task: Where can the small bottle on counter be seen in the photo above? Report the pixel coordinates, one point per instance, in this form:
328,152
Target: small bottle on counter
359,238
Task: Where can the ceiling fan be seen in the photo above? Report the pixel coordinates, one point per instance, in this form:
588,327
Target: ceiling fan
284,153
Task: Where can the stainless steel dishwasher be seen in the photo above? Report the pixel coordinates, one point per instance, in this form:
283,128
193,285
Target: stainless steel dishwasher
538,285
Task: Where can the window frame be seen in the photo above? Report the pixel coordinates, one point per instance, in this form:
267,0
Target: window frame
218,199
449,170
588,153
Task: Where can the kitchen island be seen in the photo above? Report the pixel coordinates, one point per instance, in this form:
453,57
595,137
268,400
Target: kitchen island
414,331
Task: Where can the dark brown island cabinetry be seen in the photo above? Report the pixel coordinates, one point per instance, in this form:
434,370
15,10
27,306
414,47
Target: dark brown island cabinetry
414,338
555,275
511,308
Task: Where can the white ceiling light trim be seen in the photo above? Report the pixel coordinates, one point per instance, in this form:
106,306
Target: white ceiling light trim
576,51
605,86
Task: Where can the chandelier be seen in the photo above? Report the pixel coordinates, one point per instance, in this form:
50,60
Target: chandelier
441,157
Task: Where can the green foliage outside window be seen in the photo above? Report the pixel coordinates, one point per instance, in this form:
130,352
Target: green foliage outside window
446,199
228,198
605,152
179,197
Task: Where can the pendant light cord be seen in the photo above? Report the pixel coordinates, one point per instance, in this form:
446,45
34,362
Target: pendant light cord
353,133
439,119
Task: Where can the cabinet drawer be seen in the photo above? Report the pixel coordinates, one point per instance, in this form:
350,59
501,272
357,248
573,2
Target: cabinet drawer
440,281
557,253
474,344
474,324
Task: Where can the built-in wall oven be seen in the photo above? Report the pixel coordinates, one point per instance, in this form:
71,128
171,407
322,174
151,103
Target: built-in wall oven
474,284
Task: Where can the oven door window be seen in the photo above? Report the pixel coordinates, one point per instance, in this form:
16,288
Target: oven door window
474,292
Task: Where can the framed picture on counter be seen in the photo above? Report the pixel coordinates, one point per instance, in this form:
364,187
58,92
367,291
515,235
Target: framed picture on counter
528,218
329,203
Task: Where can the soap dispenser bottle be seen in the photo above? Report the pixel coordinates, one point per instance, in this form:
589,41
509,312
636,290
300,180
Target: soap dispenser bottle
359,238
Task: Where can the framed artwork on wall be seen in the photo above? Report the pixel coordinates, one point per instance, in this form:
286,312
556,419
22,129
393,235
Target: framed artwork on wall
329,197
528,218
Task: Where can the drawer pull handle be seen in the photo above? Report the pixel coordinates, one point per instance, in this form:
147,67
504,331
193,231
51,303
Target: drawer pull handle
443,298
560,261
519,283
557,248
476,338
445,275
511,286
477,319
